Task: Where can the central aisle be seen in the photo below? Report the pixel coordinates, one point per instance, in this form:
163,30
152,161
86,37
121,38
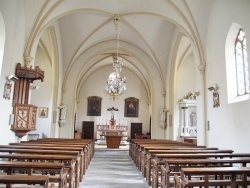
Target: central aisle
112,168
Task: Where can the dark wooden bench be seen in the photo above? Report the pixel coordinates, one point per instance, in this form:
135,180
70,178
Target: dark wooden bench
193,156
238,176
135,144
79,147
87,145
171,167
68,160
152,154
161,149
23,179
140,150
43,152
55,171
79,164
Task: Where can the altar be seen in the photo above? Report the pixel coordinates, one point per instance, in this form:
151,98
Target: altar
113,138
111,134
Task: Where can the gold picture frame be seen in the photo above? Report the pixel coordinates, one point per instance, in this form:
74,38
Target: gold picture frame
7,90
43,112
131,107
94,106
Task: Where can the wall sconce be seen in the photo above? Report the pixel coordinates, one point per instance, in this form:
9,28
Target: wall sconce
12,78
214,87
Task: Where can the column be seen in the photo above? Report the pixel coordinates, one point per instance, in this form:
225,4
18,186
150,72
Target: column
185,118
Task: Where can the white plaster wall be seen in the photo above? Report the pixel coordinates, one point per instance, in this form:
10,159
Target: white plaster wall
2,41
185,83
229,123
95,86
157,104
84,63
13,16
42,97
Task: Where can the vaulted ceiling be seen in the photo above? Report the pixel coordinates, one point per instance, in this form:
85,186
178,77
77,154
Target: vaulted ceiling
148,28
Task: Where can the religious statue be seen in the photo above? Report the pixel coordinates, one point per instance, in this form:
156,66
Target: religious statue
163,118
62,114
112,112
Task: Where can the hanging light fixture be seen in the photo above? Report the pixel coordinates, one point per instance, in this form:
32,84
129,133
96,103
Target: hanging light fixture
116,84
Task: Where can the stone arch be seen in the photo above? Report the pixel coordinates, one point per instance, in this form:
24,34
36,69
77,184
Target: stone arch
232,96
176,61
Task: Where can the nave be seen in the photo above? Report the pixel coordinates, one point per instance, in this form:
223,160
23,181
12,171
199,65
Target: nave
73,163
112,168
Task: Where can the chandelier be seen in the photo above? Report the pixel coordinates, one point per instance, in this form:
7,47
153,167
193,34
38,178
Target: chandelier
116,84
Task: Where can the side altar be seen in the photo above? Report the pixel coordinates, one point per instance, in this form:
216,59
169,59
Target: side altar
111,134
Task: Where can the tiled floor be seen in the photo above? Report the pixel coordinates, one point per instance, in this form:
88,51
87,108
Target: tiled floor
112,168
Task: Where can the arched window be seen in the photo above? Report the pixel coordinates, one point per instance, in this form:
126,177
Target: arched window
241,64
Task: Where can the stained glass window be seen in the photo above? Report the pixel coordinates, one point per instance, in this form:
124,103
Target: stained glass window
241,64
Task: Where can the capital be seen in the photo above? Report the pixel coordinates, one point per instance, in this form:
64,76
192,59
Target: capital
202,68
27,60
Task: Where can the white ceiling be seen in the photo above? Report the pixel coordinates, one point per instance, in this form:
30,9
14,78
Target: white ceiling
148,28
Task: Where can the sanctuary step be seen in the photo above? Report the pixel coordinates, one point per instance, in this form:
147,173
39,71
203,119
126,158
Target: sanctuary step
103,142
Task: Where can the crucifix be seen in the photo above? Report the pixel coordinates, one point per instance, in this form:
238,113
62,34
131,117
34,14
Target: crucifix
112,112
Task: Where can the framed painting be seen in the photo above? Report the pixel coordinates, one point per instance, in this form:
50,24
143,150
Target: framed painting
94,106
43,112
131,107
7,90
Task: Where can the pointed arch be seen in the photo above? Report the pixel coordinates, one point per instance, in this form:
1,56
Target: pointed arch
231,65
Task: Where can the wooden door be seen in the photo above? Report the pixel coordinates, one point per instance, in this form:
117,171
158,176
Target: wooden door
135,128
88,129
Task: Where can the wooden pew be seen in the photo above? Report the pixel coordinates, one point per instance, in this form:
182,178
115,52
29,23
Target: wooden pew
171,167
163,157
11,167
23,179
89,142
86,153
203,155
135,145
43,152
68,160
238,176
151,154
79,164
88,146
138,151
146,149
140,148
82,151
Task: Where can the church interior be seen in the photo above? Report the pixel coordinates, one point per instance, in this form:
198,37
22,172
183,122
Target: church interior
118,73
